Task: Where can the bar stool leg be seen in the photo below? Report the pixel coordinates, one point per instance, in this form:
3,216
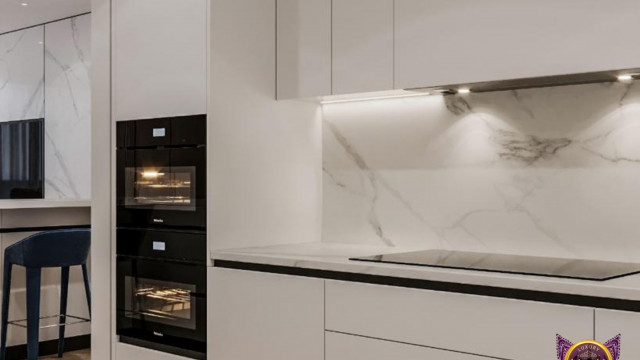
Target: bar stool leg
87,286
64,292
34,276
6,288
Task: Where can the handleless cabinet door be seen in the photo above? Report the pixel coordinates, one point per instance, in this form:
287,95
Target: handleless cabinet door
159,58
304,48
255,315
610,323
440,42
487,326
349,347
362,45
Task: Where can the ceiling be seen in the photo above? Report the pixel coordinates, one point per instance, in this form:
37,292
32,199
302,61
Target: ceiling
13,15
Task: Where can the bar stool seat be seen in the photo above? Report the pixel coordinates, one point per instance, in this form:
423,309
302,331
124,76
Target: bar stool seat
60,248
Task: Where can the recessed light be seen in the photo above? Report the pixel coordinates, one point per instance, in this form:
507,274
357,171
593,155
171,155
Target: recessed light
24,4
464,91
625,77
40,42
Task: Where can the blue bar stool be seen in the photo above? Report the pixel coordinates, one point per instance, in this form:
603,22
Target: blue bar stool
60,248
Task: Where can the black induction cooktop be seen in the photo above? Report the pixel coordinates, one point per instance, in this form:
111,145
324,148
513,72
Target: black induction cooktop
511,264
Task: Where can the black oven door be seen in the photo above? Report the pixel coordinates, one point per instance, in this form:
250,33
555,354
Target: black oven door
162,305
162,187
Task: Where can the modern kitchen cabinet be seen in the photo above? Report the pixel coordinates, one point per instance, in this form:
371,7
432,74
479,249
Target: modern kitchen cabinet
487,326
274,316
362,46
254,315
159,58
441,42
350,347
610,323
303,48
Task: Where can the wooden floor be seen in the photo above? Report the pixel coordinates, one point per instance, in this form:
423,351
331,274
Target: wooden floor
73,355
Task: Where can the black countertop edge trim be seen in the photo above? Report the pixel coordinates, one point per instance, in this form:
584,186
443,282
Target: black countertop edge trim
481,290
42,228
50,347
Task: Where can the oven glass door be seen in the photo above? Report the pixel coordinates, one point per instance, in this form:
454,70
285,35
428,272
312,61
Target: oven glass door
161,301
162,187
164,302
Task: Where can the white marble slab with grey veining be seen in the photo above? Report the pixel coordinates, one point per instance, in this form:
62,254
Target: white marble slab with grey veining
542,172
22,75
68,109
335,257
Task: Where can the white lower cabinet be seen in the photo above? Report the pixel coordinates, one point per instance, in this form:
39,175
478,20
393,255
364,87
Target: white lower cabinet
610,323
487,326
254,315
349,347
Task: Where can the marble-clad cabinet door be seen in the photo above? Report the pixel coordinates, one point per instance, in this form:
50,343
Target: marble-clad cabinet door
21,74
68,108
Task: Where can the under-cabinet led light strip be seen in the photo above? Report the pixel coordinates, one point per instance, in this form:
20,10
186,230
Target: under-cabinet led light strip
373,98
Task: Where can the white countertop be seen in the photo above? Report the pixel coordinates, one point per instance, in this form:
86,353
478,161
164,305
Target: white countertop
335,257
42,204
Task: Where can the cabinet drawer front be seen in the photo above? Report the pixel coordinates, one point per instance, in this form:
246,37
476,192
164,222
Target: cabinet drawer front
468,323
255,315
610,323
349,347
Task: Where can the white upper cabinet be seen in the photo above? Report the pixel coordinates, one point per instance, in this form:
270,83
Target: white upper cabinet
160,54
304,48
440,42
362,46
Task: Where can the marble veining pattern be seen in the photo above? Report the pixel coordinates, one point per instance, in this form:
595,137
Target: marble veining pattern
68,109
21,75
549,172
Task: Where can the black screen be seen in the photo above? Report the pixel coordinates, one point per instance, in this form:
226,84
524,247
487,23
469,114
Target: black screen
22,159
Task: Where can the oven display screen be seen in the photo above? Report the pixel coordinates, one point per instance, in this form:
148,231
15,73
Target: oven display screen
171,188
160,301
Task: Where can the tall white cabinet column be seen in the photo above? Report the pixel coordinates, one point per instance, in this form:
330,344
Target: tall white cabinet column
159,58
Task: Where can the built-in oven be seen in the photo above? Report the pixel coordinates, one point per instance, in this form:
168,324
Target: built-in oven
161,177
161,290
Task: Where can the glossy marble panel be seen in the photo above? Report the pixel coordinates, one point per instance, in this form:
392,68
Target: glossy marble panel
22,74
544,172
68,109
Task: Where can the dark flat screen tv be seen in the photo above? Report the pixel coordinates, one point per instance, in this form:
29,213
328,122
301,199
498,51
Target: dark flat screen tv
22,159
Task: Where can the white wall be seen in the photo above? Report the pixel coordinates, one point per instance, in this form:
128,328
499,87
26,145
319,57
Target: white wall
264,155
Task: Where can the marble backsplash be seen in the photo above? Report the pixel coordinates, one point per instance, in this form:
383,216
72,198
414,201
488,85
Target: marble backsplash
45,73
68,108
549,171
